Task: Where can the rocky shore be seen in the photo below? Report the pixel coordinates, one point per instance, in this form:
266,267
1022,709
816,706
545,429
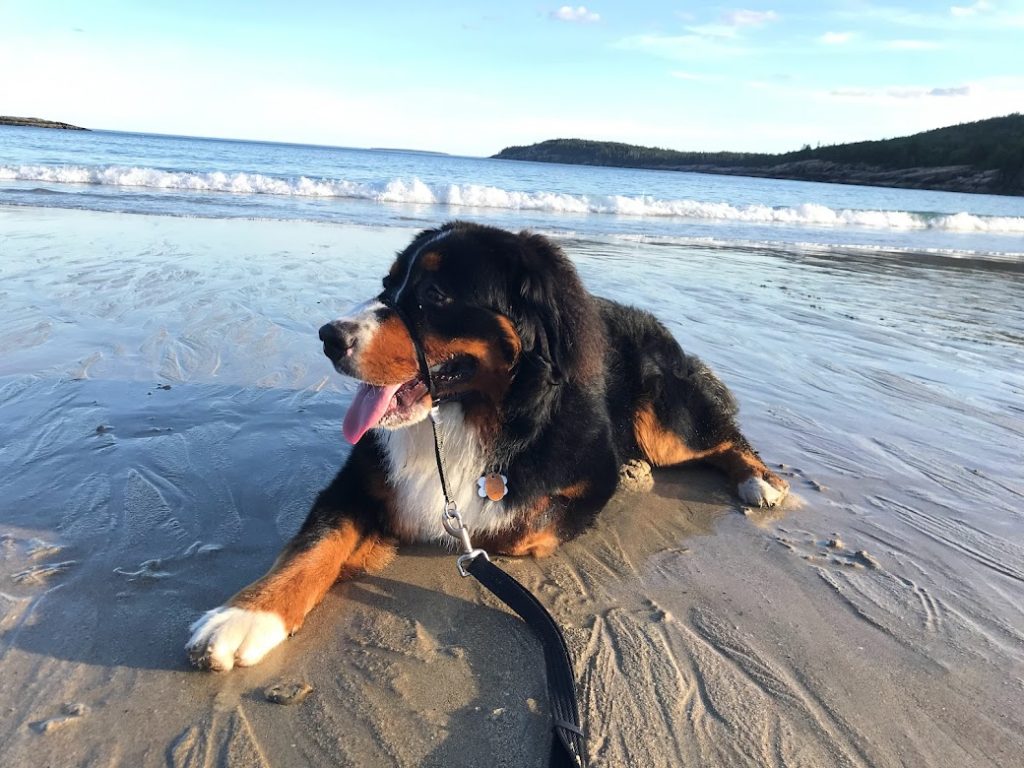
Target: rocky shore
35,122
952,178
986,156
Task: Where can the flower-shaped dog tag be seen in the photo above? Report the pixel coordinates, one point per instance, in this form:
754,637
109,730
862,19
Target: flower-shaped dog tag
492,486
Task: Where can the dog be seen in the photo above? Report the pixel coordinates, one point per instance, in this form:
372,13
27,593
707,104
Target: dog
542,392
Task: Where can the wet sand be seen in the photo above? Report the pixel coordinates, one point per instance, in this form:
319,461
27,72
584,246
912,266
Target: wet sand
167,418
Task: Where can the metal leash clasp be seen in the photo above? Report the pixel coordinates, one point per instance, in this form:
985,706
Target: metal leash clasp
453,524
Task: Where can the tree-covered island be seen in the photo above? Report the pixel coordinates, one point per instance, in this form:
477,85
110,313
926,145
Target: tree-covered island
986,156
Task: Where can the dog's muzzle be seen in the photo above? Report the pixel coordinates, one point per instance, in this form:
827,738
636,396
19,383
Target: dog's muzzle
340,340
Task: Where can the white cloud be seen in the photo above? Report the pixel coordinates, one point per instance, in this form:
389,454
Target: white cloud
579,14
923,93
971,10
724,39
836,38
684,47
719,31
861,114
980,15
960,90
900,92
745,18
693,76
912,45
850,93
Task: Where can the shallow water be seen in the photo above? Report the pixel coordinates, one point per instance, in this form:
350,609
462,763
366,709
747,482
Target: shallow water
167,416
892,381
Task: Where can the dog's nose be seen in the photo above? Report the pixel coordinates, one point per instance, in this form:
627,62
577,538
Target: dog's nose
339,339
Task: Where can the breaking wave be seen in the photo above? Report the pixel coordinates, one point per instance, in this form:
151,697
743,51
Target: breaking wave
415,191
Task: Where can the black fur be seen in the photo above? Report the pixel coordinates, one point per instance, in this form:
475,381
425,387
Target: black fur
558,387
586,365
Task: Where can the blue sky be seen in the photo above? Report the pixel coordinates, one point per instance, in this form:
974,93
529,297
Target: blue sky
471,78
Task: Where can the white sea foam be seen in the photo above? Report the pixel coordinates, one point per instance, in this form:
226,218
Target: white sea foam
415,191
787,246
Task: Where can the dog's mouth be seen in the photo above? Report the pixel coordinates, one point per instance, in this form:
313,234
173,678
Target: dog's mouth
394,406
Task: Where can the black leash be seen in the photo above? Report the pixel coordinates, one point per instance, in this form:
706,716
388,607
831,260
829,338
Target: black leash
567,746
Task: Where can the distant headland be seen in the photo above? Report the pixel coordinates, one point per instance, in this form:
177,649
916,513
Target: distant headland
986,156
409,151
35,122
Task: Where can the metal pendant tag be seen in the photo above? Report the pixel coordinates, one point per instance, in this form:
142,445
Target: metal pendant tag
492,486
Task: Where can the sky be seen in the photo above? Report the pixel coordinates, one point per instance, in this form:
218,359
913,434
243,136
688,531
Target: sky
473,77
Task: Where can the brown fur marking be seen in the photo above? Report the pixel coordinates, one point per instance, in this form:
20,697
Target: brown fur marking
574,491
389,357
431,261
300,579
444,349
492,376
740,464
536,543
512,336
661,446
372,555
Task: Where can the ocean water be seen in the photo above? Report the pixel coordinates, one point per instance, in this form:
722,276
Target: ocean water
181,176
167,415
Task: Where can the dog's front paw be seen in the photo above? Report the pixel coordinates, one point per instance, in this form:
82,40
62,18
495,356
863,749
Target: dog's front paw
768,491
228,636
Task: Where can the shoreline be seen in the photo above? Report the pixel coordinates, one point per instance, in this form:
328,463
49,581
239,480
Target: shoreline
959,179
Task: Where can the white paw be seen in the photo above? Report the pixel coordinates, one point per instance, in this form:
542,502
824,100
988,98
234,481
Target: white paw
760,493
227,636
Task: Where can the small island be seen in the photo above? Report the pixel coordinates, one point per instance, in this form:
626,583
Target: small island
35,122
986,156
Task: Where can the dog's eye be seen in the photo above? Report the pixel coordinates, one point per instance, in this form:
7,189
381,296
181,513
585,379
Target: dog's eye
434,295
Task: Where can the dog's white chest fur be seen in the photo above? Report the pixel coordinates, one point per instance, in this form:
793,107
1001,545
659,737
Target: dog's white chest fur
412,472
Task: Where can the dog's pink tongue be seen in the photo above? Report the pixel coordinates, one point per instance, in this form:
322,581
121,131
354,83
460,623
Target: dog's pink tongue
367,407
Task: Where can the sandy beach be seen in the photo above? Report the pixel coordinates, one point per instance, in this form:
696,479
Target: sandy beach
167,417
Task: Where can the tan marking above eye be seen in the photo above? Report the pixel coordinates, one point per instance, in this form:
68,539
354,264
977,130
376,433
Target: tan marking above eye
431,261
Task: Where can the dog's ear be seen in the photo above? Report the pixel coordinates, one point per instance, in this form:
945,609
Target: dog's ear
555,316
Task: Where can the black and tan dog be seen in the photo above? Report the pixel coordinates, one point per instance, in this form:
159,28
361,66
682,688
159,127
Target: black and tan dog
543,391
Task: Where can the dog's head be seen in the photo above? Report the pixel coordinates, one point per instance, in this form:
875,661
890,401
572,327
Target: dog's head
502,317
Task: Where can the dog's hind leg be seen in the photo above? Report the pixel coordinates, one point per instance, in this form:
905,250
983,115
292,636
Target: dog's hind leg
755,484
691,416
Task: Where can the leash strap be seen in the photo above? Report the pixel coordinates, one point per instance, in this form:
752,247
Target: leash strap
567,749
567,745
